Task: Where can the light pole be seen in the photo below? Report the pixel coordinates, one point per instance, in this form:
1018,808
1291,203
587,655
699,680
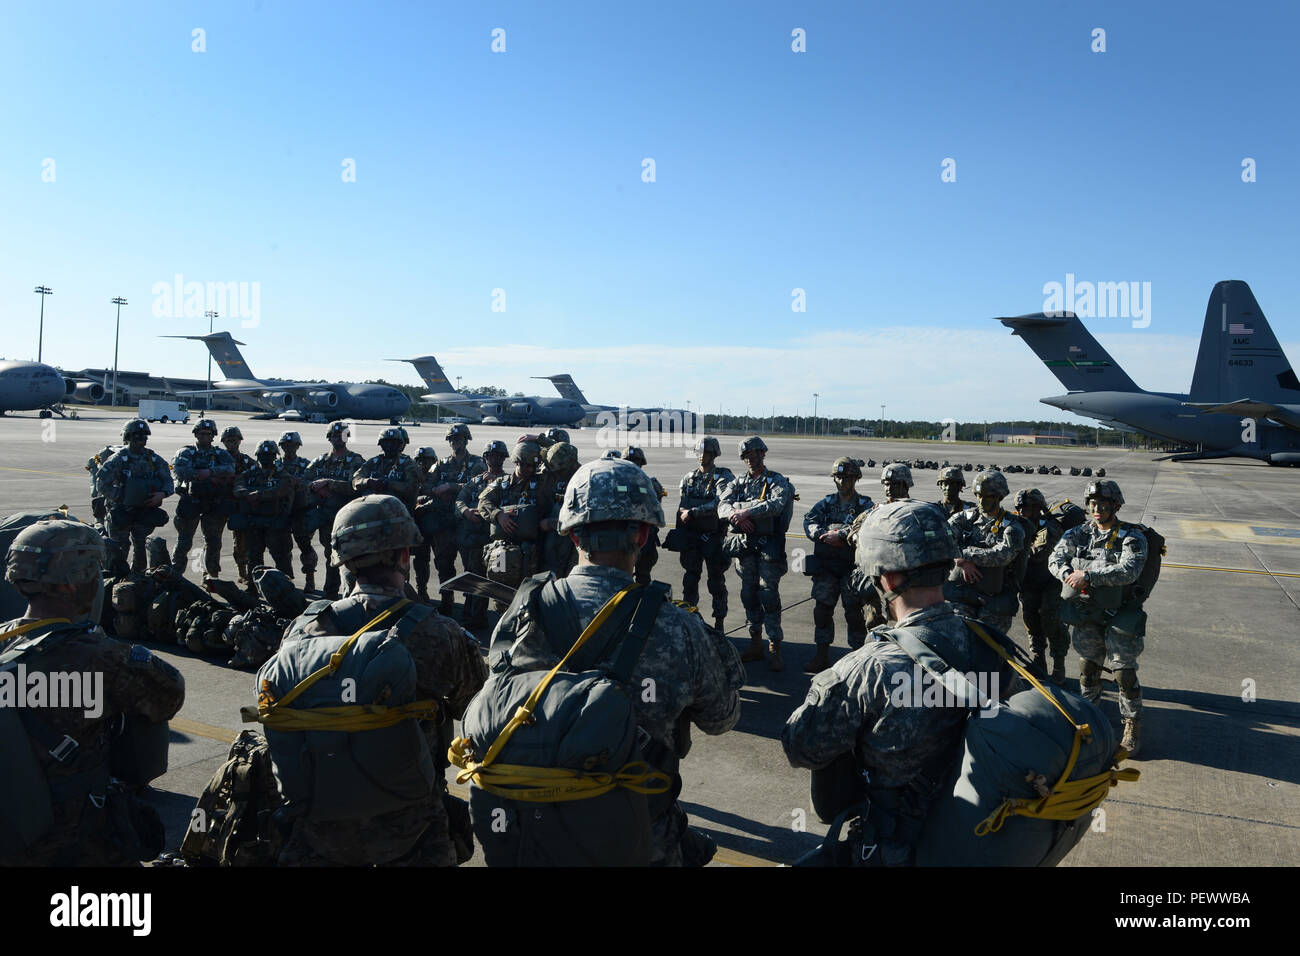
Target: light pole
882,421
814,414
43,291
118,301
207,399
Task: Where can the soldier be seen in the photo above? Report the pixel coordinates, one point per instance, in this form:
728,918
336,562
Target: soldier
558,552
56,565
472,532
372,537
702,532
448,478
206,476
265,496
1100,559
301,515
991,563
896,479
426,458
757,506
609,509
951,482
134,483
97,507
649,555
329,486
232,437
827,525
1040,593
511,506
390,473
858,740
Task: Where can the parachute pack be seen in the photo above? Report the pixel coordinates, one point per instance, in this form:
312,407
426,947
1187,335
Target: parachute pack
555,757
231,824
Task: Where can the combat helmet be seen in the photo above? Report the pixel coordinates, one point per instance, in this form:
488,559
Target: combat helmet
397,433
369,529
291,438
136,426
847,468
896,471
427,453
708,444
906,537
609,490
1028,496
496,447
267,447
561,457
337,427
635,455
994,482
54,552
1104,489
526,452
457,431
555,435
205,424
230,431
753,443
951,473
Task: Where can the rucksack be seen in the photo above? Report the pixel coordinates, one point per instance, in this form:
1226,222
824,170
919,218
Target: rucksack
231,824
555,757
255,635
1137,592
342,720
1069,514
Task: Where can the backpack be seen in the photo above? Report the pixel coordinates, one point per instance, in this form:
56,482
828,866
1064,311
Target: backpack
1137,592
555,757
350,747
255,635
231,824
1068,514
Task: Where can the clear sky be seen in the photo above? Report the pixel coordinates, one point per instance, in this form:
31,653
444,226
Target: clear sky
522,171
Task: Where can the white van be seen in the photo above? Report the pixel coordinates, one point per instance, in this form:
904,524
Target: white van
155,411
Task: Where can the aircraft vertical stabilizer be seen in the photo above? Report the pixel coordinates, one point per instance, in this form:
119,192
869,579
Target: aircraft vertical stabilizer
223,347
1070,352
1239,356
567,388
431,373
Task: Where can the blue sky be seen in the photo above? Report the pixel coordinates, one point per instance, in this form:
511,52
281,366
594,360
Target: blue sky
774,170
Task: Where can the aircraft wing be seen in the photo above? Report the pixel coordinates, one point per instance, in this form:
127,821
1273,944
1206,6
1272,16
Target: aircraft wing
1246,408
267,387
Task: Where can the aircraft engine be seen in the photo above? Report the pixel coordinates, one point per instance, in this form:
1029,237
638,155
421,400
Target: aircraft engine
283,399
322,399
85,391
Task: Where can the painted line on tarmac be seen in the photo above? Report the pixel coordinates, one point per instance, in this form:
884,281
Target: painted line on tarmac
33,471
1206,567
1204,813
198,729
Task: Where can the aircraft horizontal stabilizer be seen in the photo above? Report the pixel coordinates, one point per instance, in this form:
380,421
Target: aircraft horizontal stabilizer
1246,408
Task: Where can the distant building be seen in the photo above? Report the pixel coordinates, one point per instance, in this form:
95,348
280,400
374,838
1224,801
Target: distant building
1057,436
859,431
133,386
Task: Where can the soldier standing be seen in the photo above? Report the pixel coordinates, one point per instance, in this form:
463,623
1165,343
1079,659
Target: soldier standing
206,476
372,537
1040,594
448,477
473,534
827,525
992,541
300,515
232,438
757,506
426,458
97,507
330,488
511,507
649,556
609,508
951,482
1100,561
390,473
697,518
56,565
134,483
558,552
265,496
858,741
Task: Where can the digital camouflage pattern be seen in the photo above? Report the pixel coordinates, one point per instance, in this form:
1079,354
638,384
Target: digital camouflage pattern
687,672
203,502
472,536
265,496
370,527
1040,594
895,471
136,681
610,490
901,536
454,471
992,541
398,476
704,532
54,552
127,526
449,668
336,472
832,584
761,561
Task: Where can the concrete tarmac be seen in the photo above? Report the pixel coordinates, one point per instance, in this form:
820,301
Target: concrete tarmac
1220,756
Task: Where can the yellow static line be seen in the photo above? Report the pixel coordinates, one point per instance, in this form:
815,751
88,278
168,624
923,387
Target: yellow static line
33,471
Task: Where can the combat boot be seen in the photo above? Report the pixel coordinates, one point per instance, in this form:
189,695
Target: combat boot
820,660
775,663
755,651
1058,669
1132,728
447,602
717,624
309,581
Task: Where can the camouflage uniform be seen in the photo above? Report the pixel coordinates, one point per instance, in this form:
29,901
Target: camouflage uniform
559,554
704,534
440,514
97,507
242,462
400,475
203,502
506,491
338,471
472,538
125,523
831,583
1040,595
1112,558
269,518
952,475
300,528
696,675
449,668
761,562
648,557
989,543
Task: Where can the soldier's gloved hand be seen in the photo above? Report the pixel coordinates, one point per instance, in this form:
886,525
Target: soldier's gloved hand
743,521
684,515
319,487
474,517
508,524
969,572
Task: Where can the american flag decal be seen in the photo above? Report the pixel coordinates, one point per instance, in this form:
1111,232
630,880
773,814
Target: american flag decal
1237,328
